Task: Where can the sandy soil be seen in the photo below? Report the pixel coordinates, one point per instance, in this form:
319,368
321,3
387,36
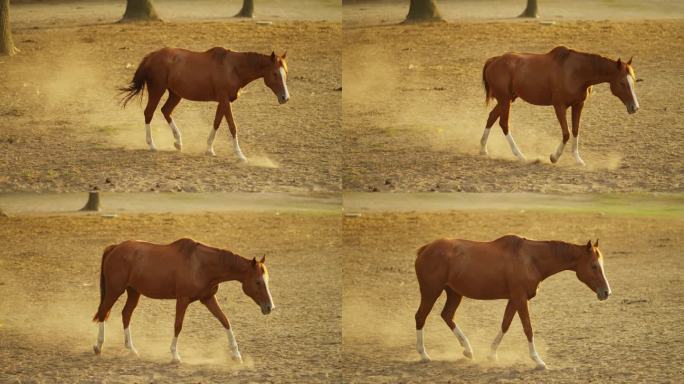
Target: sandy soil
61,128
413,110
49,276
635,336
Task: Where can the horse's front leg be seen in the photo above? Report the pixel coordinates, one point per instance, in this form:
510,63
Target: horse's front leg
576,113
505,324
217,123
523,312
181,305
561,114
233,133
212,304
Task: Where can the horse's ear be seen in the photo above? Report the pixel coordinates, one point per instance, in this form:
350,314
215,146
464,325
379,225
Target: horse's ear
596,243
284,55
630,61
254,263
273,56
263,259
589,245
619,63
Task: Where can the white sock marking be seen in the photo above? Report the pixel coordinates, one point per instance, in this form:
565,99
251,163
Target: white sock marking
514,147
174,349
100,337
420,345
232,343
483,141
148,136
495,345
463,340
210,142
559,151
238,151
176,135
535,356
575,150
128,340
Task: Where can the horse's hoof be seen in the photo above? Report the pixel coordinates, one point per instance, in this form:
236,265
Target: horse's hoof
580,162
210,152
540,367
133,352
237,359
493,357
424,358
484,152
175,361
97,350
178,146
553,159
468,354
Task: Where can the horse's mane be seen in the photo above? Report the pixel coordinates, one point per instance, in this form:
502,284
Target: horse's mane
562,248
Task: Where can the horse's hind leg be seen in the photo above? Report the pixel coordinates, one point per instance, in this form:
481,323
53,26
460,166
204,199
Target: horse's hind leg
505,324
452,302
111,295
181,305
220,112
167,109
428,296
126,313
505,108
493,116
576,113
154,94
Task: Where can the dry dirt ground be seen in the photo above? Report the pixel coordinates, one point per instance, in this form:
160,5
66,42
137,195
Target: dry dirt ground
414,112
61,128
49,288
634,336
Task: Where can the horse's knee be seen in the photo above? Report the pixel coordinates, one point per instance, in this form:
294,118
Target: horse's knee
448,318
566,136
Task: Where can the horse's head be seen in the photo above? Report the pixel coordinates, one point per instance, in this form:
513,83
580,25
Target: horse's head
623,85
276,77
255,285
590,271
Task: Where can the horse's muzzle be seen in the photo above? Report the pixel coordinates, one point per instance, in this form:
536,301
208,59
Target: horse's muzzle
602,293
267,308
632,108
283,99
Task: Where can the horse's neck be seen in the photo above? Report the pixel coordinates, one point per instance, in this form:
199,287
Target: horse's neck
226,266
596,69
250,66
552,257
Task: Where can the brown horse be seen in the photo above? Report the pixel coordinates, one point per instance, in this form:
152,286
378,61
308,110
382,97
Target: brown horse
184,270
509,268
214,75
563,78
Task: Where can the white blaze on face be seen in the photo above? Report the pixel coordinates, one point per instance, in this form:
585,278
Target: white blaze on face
283,79
603,273
630,81
268,291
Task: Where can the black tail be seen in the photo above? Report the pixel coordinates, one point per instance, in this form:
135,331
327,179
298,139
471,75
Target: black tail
137,85
99,316
488,96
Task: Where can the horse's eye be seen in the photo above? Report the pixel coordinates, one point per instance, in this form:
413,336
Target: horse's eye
258,283
594,267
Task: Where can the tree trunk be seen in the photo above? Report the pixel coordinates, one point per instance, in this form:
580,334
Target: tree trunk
6,43
139,10
423,10
531,10
247,9
93,203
